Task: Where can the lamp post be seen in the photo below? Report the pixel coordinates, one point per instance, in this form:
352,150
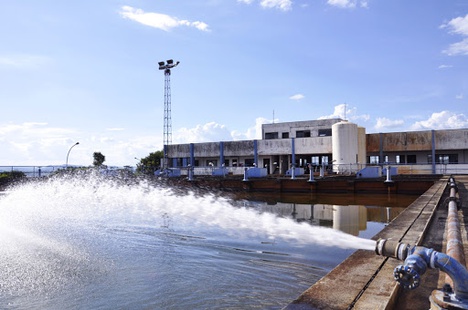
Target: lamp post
167,132
68,154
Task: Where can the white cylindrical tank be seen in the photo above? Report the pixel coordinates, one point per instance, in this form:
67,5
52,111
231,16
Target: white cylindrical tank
345,147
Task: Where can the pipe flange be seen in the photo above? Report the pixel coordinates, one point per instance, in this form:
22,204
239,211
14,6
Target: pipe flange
407,277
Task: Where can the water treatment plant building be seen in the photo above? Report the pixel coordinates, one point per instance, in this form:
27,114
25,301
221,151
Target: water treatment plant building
334,145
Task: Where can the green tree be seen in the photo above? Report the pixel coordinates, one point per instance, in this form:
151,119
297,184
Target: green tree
150,163
98,159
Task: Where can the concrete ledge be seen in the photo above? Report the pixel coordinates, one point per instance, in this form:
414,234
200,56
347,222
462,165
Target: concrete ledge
365,280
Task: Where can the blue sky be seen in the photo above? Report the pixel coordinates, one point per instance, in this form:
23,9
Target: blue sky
87,71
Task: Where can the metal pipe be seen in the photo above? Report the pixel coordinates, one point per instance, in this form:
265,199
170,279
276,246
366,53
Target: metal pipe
454,238
416,261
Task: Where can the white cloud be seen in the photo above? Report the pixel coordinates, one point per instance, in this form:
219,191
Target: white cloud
442,120
297,97
254,132
458,26
40,144
33,142
23,61
385,123
343,111
459,48
348,4
459,97
284,5
158,20
209,132
214,132
445,66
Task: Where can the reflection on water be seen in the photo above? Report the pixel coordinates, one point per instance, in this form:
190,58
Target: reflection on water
340,212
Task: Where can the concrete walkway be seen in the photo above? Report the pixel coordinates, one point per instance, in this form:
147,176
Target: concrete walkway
365,280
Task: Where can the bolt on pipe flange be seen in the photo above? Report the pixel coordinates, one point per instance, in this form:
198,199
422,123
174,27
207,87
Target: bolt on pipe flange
408,277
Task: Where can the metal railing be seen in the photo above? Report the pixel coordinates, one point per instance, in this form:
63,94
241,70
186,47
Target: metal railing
32,171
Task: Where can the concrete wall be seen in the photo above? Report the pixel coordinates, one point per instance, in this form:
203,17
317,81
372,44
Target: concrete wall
291,127
400,141
317,145
451,139
274,147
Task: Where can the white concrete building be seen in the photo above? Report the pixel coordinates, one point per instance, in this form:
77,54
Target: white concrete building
339,146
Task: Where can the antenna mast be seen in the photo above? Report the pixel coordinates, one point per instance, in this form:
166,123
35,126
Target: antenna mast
167,132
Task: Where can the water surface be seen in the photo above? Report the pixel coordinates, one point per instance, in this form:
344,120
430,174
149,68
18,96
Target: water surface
94,243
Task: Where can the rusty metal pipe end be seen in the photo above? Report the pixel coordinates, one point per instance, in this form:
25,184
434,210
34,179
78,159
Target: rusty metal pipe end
390,248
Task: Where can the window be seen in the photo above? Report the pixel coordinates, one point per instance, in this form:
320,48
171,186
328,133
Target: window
453,158
325,160
400,159
411,159
325,132
303,134
271,135
249,162
444,159
315,160
374,160
285,135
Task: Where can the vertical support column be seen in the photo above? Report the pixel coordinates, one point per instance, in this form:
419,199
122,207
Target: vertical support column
192,154
255,152
433,153
293,151
293,158
192,162
381,149
221,154
165,163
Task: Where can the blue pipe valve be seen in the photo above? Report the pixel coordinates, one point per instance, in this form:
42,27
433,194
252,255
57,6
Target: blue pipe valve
407,277
416,261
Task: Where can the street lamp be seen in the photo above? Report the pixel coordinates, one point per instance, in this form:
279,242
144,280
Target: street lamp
167,132
68,154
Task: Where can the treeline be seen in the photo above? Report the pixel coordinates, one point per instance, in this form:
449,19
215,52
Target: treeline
7,177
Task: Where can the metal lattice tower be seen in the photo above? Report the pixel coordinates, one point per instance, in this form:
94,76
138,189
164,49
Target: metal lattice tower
167,108
167,132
